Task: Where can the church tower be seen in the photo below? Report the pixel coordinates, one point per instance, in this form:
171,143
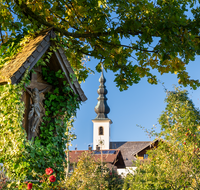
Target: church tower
101,124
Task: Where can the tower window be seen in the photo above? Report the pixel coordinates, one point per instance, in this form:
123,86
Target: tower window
100,130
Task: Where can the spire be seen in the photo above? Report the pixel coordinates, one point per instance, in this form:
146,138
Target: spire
102,109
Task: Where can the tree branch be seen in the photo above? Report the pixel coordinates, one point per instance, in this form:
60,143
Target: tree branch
131,47
28,12
1,34
65,21
75,11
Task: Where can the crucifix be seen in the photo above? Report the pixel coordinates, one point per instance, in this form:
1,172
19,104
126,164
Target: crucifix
35,109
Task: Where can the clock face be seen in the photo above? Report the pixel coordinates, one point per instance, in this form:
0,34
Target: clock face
101,143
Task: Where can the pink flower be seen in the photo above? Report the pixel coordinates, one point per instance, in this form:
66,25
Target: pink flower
30,185
52,178
49,171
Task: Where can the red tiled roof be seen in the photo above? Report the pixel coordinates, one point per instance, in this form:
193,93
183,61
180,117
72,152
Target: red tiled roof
108,158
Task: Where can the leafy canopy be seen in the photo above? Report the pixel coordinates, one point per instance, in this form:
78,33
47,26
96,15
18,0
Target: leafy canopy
129,37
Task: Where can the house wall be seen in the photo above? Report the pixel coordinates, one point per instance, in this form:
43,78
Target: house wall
144,151
123,172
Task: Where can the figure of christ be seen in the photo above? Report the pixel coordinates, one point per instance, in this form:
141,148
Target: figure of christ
36,111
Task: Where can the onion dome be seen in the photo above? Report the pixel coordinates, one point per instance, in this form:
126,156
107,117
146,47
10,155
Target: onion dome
102,108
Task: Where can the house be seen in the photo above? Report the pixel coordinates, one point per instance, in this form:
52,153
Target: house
130,151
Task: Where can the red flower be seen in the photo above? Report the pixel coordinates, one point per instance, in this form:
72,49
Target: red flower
110,173
52,178
49,171
29,185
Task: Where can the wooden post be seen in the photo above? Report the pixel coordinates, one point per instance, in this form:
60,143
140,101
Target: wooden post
67,173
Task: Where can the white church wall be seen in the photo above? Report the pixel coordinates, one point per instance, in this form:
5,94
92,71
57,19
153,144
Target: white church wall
105,138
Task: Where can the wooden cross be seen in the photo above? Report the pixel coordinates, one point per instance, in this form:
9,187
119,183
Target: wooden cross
37,80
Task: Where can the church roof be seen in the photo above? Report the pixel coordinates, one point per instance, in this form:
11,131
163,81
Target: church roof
102,108
29,56
109,156
128,148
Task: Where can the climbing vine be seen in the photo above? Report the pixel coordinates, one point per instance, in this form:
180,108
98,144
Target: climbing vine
13,136
48,148
27,160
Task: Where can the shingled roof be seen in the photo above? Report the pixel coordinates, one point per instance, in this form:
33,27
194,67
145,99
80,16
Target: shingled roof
150,144
128,148
30,55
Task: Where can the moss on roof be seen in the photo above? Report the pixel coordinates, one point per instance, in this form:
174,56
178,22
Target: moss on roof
28,45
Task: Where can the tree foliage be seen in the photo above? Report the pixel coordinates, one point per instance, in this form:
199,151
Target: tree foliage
129,37
92,174
175,164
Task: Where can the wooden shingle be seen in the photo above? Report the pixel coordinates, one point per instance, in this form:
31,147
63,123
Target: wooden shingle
30,55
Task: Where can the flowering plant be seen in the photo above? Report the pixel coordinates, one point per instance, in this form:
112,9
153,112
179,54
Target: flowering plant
52,178
49,171
30,185
46,181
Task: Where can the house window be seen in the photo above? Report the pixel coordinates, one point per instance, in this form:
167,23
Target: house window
145,156
100,130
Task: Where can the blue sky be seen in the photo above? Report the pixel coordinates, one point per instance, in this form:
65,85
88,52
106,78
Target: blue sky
141,104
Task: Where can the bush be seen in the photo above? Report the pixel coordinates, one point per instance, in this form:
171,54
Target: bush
92,174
